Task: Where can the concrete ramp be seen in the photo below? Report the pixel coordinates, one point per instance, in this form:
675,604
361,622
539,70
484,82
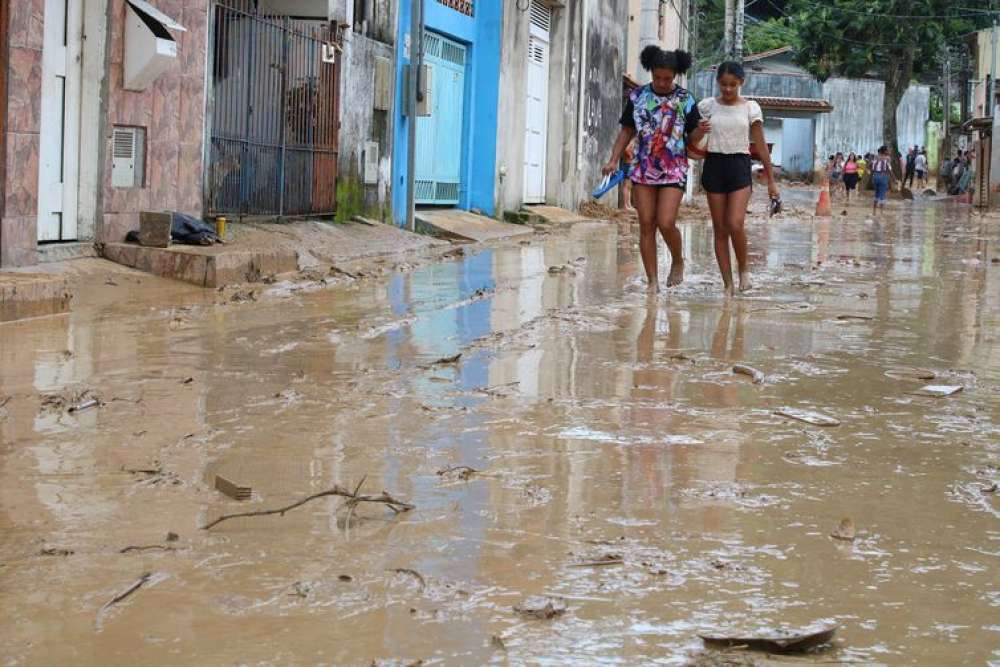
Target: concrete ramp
465,226
555,215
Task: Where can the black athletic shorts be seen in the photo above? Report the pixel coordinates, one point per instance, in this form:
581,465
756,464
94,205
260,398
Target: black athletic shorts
660,186
723,173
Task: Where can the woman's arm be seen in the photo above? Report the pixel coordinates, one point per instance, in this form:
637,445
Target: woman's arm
757,134
624,137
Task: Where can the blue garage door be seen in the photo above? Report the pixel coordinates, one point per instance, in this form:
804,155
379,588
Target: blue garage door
439,136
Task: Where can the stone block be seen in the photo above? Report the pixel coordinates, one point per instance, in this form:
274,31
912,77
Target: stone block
154,229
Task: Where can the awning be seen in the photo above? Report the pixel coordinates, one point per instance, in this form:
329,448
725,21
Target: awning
797,104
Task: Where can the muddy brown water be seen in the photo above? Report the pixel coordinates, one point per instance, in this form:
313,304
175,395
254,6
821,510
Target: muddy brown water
603,424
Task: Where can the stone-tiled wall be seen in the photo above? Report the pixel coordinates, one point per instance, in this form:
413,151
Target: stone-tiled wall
18,222
171,110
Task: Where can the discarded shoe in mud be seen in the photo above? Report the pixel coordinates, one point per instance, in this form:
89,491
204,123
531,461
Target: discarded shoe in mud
845,531
778,642
541,607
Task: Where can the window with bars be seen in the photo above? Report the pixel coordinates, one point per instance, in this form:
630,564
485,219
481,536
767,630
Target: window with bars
464,6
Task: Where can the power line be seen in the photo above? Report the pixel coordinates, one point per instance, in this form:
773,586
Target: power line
974,13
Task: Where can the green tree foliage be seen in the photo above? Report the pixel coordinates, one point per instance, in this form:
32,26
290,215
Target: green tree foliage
766,35
892,40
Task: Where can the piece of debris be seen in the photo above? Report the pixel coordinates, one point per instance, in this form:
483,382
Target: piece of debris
187,380
345,577
172,537
139,583
753,373
845,531
231,489
353,500
989,489
496,643
148,547
541,607
906,373
413,573
56,551
938,390
606,559
464,473
445,361
783,642
808,416
862,318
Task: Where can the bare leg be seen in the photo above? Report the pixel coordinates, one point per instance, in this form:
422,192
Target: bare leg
668,203
736,213
717,204
645,204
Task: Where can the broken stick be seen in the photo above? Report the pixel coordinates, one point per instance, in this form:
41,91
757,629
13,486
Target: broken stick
353,499
140,582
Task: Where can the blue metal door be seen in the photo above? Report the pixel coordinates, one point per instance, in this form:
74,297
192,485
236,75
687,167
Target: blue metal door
439,136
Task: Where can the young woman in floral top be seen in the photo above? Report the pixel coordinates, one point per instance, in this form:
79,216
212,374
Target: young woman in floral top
662,117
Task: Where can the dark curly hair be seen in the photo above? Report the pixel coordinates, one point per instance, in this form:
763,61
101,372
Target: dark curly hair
653,57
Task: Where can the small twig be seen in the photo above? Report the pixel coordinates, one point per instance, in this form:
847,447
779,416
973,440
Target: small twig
5,400
351,504
131,589
412,573
148,547
598,563
394,504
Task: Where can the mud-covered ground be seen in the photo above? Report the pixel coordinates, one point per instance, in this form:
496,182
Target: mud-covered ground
616,465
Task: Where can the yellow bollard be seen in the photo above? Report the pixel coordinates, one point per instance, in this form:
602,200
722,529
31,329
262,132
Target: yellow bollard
220,227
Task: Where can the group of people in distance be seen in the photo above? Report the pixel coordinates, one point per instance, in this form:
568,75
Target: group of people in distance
665,120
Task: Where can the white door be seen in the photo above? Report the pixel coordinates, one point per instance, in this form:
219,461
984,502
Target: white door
537,104
59,152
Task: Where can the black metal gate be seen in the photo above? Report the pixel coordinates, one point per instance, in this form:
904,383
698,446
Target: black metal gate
274,112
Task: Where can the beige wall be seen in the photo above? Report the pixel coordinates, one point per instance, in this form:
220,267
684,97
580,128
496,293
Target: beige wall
670,31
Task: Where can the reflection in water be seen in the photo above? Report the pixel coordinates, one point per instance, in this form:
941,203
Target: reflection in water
601,423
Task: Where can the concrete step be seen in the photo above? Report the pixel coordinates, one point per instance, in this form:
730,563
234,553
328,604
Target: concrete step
61,252
206,266
29,294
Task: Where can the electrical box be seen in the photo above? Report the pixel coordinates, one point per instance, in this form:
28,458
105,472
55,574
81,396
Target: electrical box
371,162
425,89
383,84
149,48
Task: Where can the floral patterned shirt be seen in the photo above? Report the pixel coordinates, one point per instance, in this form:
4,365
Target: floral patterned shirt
661,124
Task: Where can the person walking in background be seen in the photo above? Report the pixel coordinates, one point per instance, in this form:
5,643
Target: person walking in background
850,175
732,122
881,173
920,166
910,167
662,117
837,173
944,171
862,171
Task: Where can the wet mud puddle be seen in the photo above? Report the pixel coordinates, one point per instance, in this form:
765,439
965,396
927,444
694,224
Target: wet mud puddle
590,480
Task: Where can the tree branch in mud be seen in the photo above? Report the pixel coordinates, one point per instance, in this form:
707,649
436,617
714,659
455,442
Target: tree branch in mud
354,498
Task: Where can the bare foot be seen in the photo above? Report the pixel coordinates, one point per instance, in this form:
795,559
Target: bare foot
653,288
728,291
745,283
676,276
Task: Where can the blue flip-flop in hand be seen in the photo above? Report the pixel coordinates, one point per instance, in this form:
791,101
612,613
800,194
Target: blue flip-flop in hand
610,181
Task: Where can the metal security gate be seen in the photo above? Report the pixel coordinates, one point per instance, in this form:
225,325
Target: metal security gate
273,112
438,174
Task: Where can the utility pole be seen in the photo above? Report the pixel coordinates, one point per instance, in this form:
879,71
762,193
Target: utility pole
735,17
991,84
947,99
412,89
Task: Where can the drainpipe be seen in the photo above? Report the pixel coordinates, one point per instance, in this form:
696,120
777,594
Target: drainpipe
649,33
581,86
416,48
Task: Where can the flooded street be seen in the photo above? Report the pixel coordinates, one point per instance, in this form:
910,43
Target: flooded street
615,462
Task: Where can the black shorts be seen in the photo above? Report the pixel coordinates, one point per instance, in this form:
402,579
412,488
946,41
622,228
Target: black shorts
726,172
658,186
850,181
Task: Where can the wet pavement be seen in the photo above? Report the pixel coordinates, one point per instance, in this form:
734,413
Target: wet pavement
620,467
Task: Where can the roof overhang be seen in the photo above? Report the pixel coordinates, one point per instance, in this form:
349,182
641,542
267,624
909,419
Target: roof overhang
792,107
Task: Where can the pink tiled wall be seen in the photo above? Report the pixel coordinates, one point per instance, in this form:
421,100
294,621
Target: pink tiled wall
18,222
172,111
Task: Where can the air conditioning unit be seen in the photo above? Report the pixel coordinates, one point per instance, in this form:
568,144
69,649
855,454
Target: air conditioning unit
128,157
